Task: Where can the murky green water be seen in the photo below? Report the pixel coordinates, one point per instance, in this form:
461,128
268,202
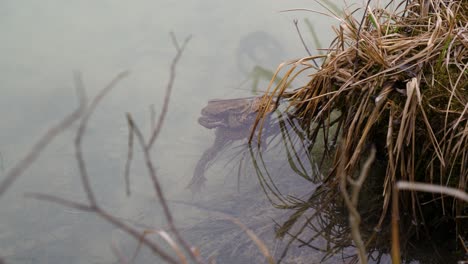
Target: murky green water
43,42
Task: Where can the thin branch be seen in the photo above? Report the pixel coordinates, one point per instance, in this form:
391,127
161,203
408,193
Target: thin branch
36,150
117,252
152,117
162,115
81,129
352,202
158,189
80,89
174,41
61,201
93,207
129,158
137,236
156,129
109,218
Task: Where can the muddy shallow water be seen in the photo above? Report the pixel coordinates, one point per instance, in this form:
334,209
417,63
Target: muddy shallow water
44,42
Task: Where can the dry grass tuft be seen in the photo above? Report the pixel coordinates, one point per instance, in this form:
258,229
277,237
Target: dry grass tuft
397,80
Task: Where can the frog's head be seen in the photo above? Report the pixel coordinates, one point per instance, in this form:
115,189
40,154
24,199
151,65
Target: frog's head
219,113
212,122
233,113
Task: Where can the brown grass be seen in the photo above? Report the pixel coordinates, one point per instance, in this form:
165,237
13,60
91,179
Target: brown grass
397,80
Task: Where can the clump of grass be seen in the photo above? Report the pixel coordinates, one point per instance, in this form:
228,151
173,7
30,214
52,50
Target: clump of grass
398,80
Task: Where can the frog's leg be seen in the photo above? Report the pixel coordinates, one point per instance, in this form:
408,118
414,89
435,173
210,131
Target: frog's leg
198,178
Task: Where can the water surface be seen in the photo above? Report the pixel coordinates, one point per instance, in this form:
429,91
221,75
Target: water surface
44,42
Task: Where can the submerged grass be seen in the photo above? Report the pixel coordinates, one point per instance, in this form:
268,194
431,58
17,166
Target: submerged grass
397,80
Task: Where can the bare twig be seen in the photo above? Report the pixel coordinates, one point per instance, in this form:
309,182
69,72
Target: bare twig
174,41
156,129
85,113
156,126
155,133
158,189
129,159
152,117
353,200
61,201
80,89
81,129
162,115
109,218
122,259
43,142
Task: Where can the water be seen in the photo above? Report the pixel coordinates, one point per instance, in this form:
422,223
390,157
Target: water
44,42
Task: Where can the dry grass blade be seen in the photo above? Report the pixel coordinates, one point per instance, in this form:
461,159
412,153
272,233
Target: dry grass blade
218,214
263,248
167,238
431,188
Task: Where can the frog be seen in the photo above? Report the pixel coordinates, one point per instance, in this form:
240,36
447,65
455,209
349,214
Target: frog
231,113
232,119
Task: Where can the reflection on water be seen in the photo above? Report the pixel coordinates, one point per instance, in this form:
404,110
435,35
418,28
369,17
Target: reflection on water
257,59
258,49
